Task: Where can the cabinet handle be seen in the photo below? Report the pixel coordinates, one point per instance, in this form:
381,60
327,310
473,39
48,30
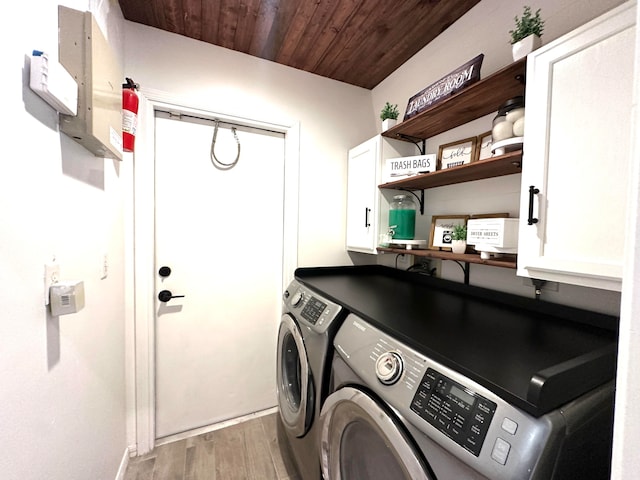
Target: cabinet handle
532,191
366,217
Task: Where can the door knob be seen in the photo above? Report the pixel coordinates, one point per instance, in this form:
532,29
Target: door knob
166,295
164,271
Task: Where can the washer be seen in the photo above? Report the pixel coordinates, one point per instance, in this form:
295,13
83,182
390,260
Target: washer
394,412
304,352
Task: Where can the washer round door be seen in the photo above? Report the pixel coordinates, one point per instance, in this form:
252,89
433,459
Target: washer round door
360,439
294,381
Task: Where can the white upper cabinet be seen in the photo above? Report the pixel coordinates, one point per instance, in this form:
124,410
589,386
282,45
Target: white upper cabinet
577,152
367,210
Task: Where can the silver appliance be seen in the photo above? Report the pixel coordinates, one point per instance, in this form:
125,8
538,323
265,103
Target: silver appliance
396,413
304,353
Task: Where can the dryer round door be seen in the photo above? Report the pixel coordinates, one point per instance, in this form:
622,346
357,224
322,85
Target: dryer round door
360,439
294,381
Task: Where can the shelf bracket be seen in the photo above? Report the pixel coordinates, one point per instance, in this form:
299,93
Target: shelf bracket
465,269
422,148
419,198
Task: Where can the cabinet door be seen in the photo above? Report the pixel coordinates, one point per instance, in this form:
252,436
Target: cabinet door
362,196
577,154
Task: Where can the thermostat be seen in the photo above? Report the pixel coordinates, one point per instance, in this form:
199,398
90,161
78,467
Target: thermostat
66,297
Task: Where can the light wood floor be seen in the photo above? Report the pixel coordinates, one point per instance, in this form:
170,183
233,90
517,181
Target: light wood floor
246,451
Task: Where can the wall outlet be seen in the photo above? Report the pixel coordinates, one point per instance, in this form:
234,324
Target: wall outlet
435,265
51,276
426,266
404,261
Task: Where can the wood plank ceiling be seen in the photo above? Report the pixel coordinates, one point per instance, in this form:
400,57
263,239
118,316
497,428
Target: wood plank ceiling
359,42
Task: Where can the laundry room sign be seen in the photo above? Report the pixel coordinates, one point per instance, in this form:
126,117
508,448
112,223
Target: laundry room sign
455,81
402,167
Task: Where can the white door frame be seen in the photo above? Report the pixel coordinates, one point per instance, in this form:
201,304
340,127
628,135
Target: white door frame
143,317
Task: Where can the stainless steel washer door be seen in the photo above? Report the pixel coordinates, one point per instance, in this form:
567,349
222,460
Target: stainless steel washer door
359,440
294,382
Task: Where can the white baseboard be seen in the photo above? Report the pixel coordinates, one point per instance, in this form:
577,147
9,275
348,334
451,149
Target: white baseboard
216,426
124,464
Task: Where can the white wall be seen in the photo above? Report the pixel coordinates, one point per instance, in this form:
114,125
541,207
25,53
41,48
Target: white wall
484,29
62,398
333,117
626,456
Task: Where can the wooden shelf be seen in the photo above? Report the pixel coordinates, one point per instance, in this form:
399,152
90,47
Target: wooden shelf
507,164
506,261
475,101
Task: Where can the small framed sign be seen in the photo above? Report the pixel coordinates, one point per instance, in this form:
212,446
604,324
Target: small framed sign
402,167
483,146
442,228
457,153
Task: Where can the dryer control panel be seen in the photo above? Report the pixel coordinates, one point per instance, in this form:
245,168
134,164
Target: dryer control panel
310,308
312,311
456,411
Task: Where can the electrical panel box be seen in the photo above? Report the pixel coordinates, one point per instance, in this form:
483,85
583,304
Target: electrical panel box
87,56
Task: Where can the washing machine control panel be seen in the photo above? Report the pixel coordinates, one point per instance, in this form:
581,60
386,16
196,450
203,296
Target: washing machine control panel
389,367
455,410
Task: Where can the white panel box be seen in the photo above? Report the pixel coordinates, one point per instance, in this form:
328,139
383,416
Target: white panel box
53,83
88,57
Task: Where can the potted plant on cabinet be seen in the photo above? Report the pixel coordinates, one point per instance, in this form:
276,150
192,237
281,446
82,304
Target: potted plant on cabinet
527,35
389,116
459,239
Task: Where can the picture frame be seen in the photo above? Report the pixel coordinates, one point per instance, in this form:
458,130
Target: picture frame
457,153
484,142
440,232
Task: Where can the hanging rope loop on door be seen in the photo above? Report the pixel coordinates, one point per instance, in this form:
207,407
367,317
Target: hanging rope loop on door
214,159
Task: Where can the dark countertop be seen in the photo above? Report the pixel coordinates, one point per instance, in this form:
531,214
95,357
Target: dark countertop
534,354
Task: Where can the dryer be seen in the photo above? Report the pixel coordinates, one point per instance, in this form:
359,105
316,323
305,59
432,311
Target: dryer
304,352
395,412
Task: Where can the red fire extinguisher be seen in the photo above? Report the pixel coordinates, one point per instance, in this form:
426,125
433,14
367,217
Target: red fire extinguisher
129,114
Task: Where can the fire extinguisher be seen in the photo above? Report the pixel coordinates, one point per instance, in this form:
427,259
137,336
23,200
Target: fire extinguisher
129,114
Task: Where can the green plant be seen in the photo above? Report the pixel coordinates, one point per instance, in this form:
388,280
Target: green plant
389,111
459,232
528,24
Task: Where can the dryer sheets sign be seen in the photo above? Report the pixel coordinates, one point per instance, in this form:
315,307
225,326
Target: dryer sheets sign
402,167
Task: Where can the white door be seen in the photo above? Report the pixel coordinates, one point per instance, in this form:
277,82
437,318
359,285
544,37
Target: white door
220,232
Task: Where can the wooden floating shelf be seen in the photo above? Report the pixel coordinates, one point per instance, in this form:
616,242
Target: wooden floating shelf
506,261
507,164
476,100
